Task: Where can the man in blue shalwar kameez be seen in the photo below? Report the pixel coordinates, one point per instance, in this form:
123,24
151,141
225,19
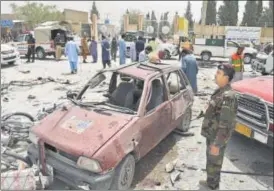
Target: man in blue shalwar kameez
190,68
93,49
105,52
122,50
72,51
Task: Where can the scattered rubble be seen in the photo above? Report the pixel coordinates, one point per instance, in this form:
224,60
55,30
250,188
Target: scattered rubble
169,167
31,97
175,176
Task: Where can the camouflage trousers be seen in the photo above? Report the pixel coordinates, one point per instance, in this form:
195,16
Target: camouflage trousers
213,165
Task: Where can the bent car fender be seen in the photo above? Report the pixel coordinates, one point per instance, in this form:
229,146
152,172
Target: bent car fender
124,142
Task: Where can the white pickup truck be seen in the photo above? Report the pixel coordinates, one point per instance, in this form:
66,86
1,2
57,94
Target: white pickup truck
223,50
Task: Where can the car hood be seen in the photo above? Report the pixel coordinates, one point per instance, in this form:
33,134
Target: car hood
261,87
262,56
78,131
250,50
6,47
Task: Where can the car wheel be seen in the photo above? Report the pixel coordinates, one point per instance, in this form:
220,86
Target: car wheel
166,55
40,53
124,174
11,63
247,59
186,119
206,56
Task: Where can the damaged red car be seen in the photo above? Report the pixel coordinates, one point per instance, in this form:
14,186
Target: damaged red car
120,115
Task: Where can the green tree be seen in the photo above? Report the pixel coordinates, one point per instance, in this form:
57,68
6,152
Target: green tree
188,15
36,13
266,19
94,10
211,12
228,13
250,17
259,11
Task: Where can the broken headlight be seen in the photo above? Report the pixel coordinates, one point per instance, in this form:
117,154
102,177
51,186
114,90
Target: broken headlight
33,138
89,164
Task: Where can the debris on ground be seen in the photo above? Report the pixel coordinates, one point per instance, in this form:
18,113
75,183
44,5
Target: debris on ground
26,179
184,134
24,71
175,176
169,167
31,97
5,99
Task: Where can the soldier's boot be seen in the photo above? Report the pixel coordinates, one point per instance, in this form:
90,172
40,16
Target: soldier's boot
207,186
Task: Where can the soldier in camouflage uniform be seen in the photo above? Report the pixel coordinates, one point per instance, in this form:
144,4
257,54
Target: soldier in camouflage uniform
218,125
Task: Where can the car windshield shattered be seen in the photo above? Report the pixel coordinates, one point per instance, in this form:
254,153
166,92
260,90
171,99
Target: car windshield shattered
112,91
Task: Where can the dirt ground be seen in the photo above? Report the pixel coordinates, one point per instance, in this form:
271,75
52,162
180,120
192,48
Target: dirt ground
242,154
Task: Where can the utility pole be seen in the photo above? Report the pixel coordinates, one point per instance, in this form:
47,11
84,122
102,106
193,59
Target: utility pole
204,8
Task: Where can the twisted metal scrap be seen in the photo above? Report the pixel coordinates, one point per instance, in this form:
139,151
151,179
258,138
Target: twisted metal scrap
34,82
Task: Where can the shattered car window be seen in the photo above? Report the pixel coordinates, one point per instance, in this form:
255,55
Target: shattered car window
115,91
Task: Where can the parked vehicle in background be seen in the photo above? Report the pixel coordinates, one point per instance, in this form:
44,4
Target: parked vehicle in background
255,108
264,60
96,141
44,36
207,48
9,54
263,63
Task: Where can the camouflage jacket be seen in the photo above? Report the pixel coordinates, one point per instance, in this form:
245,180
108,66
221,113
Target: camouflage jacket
220,116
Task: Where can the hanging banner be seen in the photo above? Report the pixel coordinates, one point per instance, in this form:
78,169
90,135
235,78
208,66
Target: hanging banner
243,34
183,26
7,23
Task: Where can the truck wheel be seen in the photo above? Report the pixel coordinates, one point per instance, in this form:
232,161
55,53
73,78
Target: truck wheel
124,174
186,119
206,56
247,59
166,55
40,53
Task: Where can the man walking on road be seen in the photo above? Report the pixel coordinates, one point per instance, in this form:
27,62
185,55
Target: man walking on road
140,46
58,48
122,50
31,48
218,125
85,50
190,68
105,52
72,51
114,47
93,49
237,62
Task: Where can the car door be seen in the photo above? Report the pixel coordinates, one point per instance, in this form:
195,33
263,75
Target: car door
22,44
155,123
179,95
230,49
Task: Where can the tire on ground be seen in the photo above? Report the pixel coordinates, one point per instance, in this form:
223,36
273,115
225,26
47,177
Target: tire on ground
124,174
